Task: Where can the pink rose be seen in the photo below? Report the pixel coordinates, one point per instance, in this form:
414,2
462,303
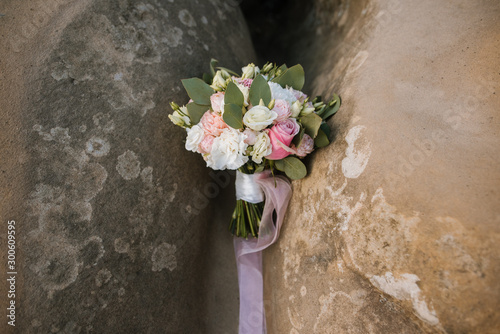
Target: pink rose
282,108
251,136
281,136
217,101
306,146
206,144
212,123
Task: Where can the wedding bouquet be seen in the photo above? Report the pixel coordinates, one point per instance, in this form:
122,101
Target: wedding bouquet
259,121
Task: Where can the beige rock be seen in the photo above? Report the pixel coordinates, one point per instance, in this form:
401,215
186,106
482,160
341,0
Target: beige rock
396,228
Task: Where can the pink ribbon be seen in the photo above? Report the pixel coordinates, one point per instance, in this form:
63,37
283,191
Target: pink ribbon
277,191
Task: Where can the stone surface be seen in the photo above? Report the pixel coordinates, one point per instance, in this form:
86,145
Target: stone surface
396,228
113,216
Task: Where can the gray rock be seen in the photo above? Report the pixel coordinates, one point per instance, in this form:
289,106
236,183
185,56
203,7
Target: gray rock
114,222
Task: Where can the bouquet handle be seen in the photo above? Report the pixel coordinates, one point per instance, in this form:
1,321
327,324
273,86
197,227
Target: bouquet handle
248,252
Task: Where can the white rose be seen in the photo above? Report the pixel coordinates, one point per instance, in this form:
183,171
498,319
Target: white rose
259,117
246,93
194,137
261,148
296,109
228,150
250,71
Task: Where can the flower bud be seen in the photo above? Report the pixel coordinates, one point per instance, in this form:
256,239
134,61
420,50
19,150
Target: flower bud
267,67
271,104
307,109
179,118
220,80
250,71
174,106
295,109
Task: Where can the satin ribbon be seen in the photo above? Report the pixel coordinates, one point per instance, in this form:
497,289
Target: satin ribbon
277,191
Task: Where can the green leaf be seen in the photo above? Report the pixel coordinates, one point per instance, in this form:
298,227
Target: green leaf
293,77
293,167
330,111
280,165
260,168
283,67
196,111
233,95
311,123
228,71
208,78
233,116
326,129
213,64
321,139
298,137
260,90
198,90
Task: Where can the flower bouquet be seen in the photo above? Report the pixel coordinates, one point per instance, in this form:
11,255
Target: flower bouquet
259,121
261,124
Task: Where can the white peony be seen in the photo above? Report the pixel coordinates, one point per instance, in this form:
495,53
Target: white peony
194,137
259,117
261,148
280,93
228,150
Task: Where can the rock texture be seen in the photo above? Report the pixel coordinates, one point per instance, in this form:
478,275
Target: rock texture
112,215
396,228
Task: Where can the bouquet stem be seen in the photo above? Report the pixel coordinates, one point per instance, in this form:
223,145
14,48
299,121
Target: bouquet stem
246,219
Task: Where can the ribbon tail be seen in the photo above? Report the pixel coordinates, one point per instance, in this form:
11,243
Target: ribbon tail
250,280
248,253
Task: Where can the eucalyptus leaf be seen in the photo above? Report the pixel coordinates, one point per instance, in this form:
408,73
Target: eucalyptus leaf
198,90
279,165
294,168
196,111
298,137
233,95
321,139
233,116
330,111
260,90
326,129
293,77
208,78
311,123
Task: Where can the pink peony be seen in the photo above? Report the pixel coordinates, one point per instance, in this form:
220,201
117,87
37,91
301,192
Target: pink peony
212,123
281,136
306,146
206,144
282,108
217,101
